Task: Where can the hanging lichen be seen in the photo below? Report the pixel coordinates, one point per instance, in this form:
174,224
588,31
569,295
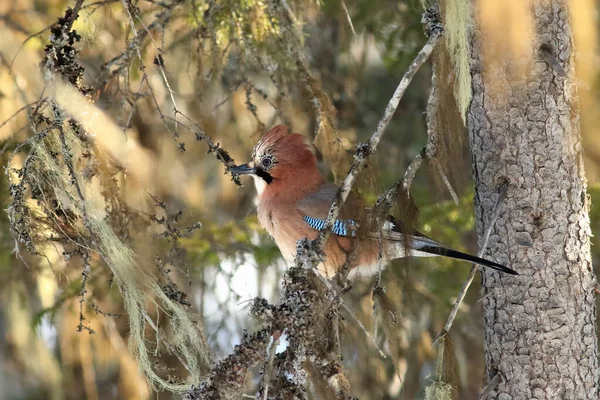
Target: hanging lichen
458,20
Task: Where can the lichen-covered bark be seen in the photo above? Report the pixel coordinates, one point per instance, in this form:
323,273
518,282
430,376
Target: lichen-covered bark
540,327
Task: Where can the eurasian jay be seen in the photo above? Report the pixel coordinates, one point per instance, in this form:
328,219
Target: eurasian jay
294,200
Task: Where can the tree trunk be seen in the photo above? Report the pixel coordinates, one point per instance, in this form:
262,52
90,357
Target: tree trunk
523,121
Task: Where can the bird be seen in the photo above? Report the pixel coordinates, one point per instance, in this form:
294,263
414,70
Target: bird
294,200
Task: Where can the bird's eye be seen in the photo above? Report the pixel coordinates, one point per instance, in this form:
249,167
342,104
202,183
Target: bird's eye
267,162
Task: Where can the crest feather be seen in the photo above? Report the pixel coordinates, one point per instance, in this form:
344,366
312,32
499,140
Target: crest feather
287,147
269,138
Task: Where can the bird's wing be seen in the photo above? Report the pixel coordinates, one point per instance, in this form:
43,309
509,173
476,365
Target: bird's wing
340,227
315,208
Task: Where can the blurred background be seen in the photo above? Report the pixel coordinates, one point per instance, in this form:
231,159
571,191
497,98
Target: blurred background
235,69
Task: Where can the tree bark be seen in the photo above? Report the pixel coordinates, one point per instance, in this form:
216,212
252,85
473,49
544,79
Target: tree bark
523,122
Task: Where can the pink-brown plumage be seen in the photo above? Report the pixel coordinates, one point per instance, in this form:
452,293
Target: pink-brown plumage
294,200
295,176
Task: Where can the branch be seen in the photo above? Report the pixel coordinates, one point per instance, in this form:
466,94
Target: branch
139,36
230,374
364,150
349,19
492,384
158,60
365,331
221,154
482,248
72,16
268,368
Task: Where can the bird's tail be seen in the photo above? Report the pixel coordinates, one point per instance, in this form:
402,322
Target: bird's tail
420,245
447,252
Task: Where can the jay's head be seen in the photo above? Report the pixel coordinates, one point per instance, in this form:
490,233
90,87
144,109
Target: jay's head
280,158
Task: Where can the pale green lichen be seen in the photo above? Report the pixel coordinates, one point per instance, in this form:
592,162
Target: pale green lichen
458,24
438,389
139,287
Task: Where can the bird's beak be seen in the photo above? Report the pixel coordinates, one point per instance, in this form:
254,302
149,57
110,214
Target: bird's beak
244,169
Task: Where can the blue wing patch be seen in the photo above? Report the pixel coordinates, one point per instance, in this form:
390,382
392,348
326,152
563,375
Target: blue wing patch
340,227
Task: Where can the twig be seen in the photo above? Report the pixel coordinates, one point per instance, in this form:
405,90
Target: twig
492,384
268,368
73,16
445,179
84,278
117,61
365,331
349,19
161,65
25,107
221,154
17,252
379,261
98,4
377,287
68,160
482,248
132,111
38,33
139,54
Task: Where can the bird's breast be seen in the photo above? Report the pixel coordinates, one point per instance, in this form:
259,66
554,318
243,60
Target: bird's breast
265,219
286,226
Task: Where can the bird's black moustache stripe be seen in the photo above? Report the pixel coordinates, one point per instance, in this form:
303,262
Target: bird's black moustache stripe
264,175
